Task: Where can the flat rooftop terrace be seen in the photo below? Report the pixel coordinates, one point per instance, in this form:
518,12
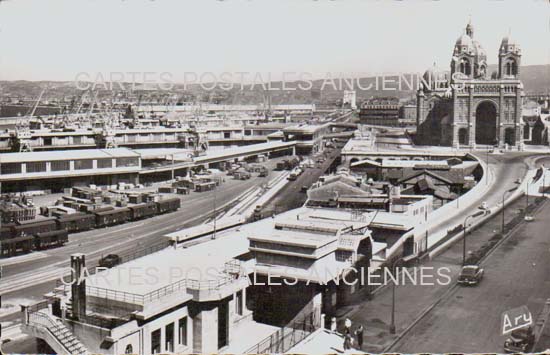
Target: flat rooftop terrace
203,262
66,155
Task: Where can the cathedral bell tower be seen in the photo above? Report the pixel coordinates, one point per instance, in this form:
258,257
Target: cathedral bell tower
509,59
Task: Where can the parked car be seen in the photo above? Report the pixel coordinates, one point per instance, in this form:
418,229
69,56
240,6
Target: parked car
470,275
520,341
109,261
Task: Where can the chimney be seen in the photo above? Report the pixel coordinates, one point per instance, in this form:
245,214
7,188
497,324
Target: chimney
78,286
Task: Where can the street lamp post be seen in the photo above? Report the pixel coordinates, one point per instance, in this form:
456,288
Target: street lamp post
526,197
392,323
215,215
464,228
487,178
503,195
543,180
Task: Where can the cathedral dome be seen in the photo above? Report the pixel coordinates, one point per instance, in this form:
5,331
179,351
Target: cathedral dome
509,44
479,50
434,77
464,40
508,41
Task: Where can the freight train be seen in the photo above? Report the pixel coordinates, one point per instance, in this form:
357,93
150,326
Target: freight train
26,236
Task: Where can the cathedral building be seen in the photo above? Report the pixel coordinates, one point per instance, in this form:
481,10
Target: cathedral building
468,107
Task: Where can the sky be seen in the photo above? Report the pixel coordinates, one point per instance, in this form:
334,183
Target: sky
61,39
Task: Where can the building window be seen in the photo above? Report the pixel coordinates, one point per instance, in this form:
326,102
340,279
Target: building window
169,338
83,164
239,303
125,162
61,165
155,342
10,168
104,163
36,167
77,140
182,331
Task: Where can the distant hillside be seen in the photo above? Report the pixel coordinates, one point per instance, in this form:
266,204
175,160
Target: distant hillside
536,79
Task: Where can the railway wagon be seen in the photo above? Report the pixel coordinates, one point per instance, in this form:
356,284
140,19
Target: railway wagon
168,205
33,227
111,217
55,238
142,210
76,222
14,246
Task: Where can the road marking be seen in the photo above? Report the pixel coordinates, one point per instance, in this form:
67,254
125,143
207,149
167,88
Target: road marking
23,258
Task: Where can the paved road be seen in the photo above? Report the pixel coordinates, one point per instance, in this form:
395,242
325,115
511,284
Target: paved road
291,196
517,273
413,300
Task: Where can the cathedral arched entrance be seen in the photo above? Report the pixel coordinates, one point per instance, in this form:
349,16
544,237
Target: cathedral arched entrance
510,136
463,136
486,123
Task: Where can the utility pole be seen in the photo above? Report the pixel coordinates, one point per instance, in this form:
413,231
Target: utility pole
543,180
173,168
487,178
526,197
464,229
504,194
392,322
215,217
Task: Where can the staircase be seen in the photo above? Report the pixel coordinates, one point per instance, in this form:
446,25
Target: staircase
67,343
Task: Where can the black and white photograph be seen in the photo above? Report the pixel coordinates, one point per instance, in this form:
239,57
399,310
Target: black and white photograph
274,177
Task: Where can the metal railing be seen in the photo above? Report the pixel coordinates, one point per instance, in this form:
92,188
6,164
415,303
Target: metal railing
114,295
58,331
233,266
144,251
287,337
157,294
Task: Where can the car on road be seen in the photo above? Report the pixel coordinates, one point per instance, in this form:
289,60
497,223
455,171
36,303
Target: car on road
520,341
470,275
110,261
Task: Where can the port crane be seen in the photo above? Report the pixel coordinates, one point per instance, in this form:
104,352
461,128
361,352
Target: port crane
22,131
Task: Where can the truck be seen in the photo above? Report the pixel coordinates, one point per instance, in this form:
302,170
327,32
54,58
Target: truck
241,175
263,172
